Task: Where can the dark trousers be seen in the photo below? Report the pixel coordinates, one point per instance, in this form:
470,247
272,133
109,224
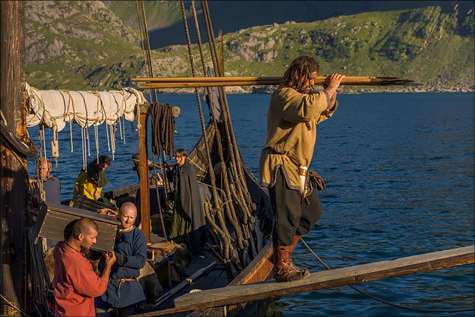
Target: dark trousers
291,215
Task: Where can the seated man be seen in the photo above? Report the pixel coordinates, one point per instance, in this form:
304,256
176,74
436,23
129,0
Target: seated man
49,187
75,283
91,180
51,184
188,224
124,290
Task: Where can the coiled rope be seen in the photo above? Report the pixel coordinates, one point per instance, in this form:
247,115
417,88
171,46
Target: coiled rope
163,129
388,303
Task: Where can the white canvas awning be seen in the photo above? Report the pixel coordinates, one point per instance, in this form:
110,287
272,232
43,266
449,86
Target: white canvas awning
55,108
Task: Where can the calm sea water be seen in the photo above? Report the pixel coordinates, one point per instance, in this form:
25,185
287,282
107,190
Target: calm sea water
399,170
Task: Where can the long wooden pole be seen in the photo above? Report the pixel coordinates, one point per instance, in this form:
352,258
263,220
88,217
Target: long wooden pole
322,280
156,83
143,171
221,52
13,174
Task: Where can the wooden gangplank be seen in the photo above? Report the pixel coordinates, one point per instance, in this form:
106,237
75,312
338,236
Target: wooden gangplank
322,280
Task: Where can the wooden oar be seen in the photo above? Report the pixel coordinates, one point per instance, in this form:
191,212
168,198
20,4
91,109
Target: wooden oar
183,284
183,82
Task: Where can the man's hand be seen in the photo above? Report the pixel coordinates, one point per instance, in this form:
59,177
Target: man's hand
332,82
107,211
109,258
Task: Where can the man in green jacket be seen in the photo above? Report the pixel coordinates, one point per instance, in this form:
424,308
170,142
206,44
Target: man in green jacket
294,110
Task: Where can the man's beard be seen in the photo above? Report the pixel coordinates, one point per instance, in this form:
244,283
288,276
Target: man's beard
310,91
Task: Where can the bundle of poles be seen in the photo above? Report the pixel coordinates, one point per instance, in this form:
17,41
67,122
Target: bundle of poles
193,82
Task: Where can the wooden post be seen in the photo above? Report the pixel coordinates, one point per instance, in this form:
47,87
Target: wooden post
221,52
143,171
13,177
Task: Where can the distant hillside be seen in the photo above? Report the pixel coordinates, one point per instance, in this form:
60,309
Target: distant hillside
166,26
62,36
84,45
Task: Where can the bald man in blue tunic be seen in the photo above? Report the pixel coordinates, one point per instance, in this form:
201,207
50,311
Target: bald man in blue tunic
124,291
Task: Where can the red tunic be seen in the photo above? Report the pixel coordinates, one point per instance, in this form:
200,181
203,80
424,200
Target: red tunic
75,283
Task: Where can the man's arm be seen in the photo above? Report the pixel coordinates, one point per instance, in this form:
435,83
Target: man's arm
299,108
98,192
84,279
79,189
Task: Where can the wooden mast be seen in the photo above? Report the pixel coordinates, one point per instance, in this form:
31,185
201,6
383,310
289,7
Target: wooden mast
13,177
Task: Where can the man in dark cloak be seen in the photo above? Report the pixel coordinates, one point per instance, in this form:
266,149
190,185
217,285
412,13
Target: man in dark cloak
188,224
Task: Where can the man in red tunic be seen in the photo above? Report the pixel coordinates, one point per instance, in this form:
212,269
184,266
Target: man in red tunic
75,283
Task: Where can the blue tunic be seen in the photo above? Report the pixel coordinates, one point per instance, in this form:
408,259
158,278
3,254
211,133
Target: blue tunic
52,188
131,252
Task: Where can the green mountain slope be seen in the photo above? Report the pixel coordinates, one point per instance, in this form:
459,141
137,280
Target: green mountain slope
62,36
166,26
432,44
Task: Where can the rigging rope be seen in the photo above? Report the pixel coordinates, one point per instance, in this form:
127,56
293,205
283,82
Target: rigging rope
224,172
226,238
236,165
233,148
388,303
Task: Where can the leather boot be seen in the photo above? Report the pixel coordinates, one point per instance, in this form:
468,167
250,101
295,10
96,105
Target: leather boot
283,271
295,267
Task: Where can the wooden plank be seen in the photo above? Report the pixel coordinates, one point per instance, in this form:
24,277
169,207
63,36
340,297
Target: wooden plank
328,279
231,295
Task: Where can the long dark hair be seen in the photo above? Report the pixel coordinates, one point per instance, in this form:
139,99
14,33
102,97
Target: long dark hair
299,72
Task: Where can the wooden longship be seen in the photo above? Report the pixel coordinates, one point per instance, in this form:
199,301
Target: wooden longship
231,260
260,266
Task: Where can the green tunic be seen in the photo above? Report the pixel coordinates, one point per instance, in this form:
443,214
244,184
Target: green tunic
180,223
188,224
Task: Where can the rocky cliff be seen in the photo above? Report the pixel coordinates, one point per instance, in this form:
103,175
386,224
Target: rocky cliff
84,45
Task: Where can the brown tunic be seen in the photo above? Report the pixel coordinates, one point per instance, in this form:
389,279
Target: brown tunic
291,130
